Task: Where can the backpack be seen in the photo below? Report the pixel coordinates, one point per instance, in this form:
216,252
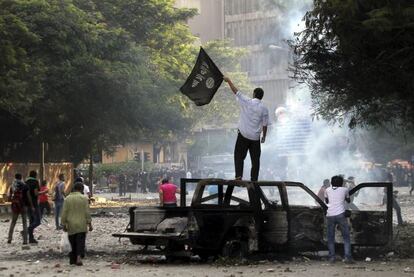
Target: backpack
17,199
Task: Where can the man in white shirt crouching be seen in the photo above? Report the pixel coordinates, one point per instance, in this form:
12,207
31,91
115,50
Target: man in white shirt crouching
335,197
254,118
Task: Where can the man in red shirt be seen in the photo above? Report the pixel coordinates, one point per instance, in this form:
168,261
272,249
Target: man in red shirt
167,193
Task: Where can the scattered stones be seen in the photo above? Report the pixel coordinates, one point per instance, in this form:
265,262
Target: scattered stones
367,259
270,270
287,270
408,270
390,254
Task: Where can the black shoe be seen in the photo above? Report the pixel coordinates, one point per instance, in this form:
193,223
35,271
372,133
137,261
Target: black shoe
349,261
33,241
9,241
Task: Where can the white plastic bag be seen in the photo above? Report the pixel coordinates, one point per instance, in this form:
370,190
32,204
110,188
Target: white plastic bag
65,246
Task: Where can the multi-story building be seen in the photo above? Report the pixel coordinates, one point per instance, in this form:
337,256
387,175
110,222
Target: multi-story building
255,25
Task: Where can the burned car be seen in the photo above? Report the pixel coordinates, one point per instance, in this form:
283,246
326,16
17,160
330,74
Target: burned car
236,218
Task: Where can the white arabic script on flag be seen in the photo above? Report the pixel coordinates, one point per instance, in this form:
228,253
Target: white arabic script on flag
204,70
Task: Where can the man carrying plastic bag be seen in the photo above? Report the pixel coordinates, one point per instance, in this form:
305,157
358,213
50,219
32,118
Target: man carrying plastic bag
75,220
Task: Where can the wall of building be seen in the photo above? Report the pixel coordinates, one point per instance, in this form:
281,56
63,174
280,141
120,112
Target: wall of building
125,153
256,26
252,24
52,171
209,23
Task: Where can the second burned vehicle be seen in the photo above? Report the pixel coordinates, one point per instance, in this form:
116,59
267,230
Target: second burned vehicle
237,218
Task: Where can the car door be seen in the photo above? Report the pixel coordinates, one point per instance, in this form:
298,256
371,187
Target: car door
306,215
274,218
371,217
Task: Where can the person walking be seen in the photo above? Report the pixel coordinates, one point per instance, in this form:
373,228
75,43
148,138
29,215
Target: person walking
34,211
44,200
335,197
76,219
59,199
19,197
254,119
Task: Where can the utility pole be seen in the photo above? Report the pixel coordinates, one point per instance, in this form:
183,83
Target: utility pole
42,162
142,159
91,173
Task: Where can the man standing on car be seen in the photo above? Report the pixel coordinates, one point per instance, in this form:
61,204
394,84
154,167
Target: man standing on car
335,197
254,118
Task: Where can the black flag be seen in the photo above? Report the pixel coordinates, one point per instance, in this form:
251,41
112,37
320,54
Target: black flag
204,80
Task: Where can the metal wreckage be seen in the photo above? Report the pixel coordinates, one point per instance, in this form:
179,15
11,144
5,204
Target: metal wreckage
237,218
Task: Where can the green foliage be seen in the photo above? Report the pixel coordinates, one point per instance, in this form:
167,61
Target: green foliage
357,58
223,110
79,76
128,168
84,75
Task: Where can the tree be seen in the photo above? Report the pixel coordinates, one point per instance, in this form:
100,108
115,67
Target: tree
357,58
223,110
74,79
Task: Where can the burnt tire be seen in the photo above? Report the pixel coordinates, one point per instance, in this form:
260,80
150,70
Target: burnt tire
236,249
205,256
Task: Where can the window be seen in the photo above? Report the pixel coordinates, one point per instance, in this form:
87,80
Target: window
368,199
190,188
272,195
240,197
210,194
297,196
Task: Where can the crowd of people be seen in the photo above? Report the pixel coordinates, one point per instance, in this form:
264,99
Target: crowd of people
148,181
141,181
29,199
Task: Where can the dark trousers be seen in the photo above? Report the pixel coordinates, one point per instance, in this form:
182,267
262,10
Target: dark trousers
34,221
13,222
240,151
122,189
169,205
44,206
397,209
77,243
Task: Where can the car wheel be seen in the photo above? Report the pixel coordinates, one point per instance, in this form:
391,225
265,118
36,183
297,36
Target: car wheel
235,249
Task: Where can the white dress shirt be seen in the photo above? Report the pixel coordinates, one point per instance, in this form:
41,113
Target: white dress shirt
253,116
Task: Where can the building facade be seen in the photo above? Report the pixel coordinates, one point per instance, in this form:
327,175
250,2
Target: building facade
257,25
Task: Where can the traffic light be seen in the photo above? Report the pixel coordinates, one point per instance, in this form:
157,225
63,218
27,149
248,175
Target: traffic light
137,156
146,157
